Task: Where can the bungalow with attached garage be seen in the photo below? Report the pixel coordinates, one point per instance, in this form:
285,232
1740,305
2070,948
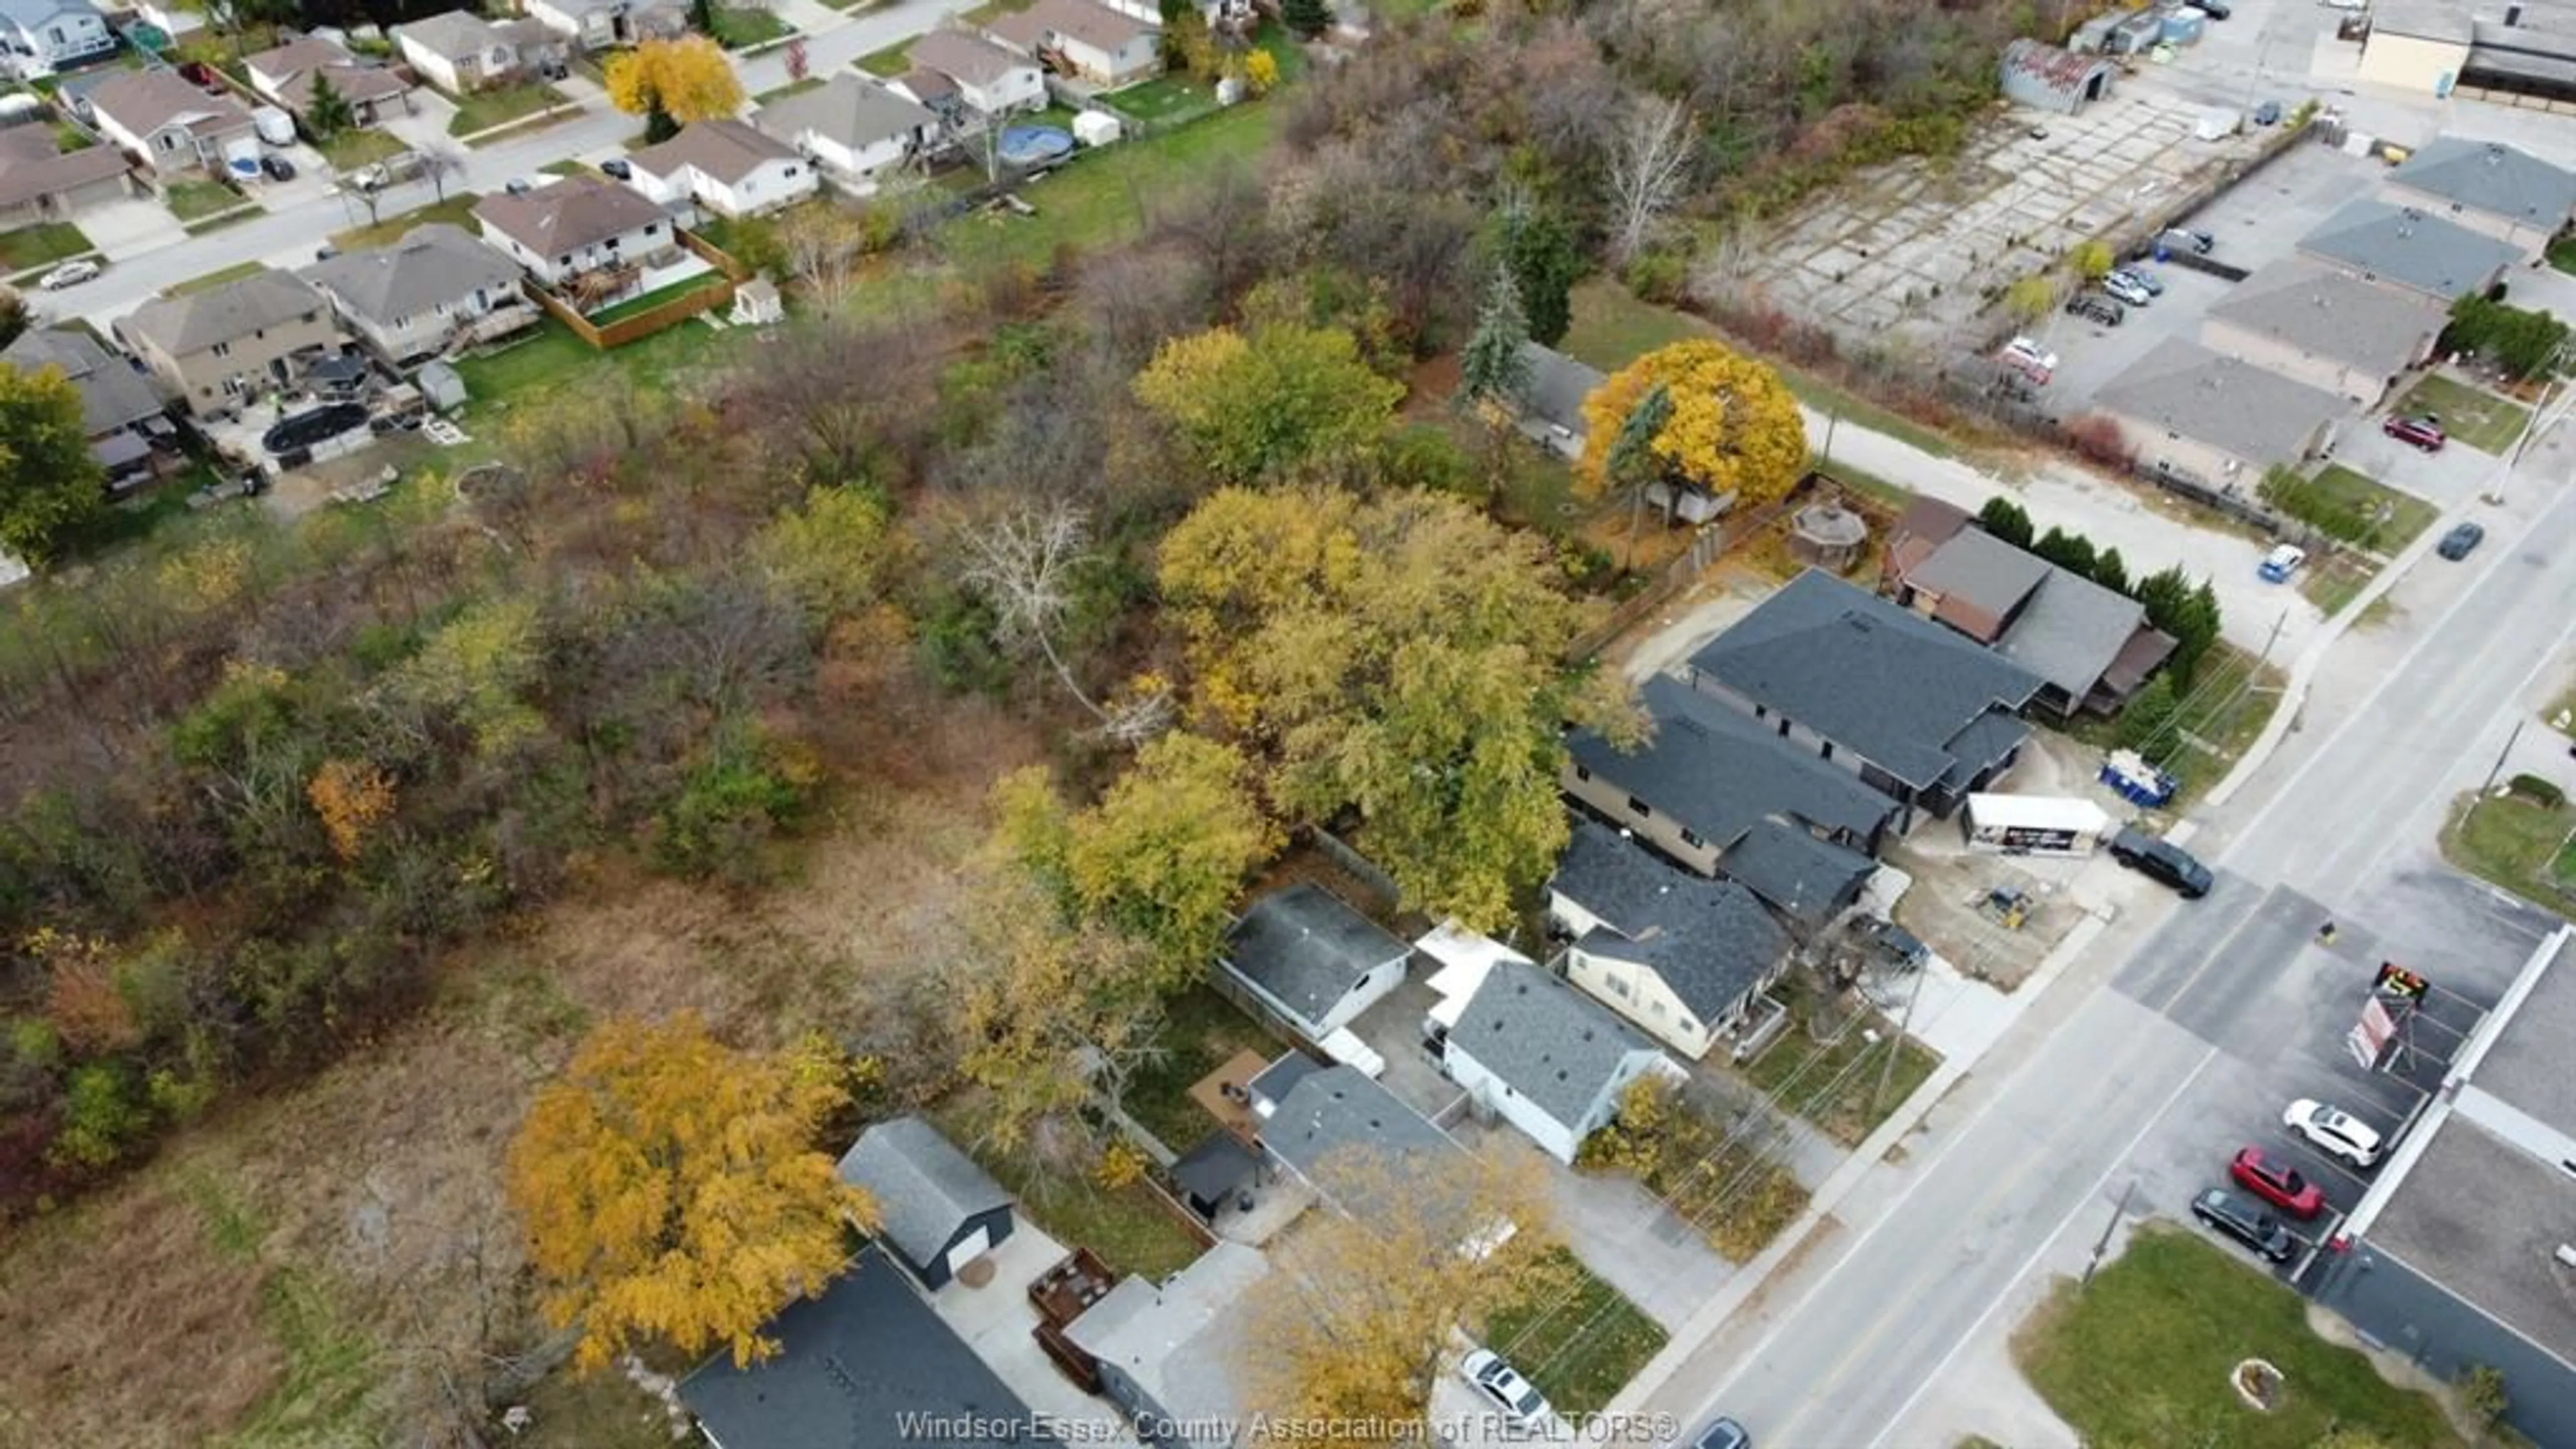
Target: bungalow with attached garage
604,24
1544,1057
461,51
2488,187
1095,43
40,37
1302,959
2188,412
727,166
2319,326
853,128
287,74
172,125
578,224
1680,955
40,181
937,1210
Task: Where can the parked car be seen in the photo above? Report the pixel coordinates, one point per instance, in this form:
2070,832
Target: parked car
2277,1183
2029,359
69,274
2424,432
518,186
2161,861
2214,9
2139,277
2242,1218
616,166
2268,114
1517,1397
2200,242
2127,290
2461,541
2280,563
2094,307
276,167
2334,1131
1723,1434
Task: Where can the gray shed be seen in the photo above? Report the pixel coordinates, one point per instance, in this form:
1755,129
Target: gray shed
442,386
2046,78
939,1211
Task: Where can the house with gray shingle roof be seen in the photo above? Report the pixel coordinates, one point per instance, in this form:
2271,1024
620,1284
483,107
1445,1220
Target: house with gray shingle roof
2313,324
2408,248
1171,1353
1679,955
2091,647
854,128
1091,40
39,37
436,288
2185,410
1350,1139
214,350
1912,709
2488,187
124,419
1311,961
1550,406
727,166
1546,1058
937,1210
575,225
992,79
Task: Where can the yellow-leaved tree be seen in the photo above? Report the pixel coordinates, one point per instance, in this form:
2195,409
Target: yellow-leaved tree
671,83
672,1191
1257,404
1727,425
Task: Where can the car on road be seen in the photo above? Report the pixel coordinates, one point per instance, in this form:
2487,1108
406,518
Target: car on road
277,168
1517,1397
2161,861
2094,307
69,274
2423,432
1722,1434
2215,9
2137,278
2461,541
2280,563
2334,1131
2127,290
2242,1218
2277,1183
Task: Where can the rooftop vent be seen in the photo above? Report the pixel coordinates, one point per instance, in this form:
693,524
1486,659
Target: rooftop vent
2512,16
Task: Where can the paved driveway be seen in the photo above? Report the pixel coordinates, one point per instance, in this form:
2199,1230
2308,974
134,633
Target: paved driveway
1393,1027
130,228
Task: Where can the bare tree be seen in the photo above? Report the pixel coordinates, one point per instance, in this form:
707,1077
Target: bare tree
823,245
440,163
1649,163
1024,559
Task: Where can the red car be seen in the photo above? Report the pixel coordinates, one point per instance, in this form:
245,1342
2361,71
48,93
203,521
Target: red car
2277,1183
2422,432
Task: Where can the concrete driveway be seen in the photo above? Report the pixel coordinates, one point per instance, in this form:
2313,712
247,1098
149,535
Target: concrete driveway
1393,1028
997,1320
132,227
1622,1232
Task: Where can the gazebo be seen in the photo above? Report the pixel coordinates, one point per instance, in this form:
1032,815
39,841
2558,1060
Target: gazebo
1826,535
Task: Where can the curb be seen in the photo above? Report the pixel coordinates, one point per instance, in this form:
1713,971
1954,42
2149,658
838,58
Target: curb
1749,1282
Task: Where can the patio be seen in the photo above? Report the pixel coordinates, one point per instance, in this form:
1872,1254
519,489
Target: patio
999,1322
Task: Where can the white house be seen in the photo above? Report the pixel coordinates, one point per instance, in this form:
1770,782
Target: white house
991,79
1544,1057
436,288
573,226
726,166
1311,962
43,36
603,24
461,51
853,128
1093,41
287,74
171,124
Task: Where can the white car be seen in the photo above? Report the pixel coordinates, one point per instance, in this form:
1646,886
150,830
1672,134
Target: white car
2334,1131
69,274
1517,1397
2127,289
2345,4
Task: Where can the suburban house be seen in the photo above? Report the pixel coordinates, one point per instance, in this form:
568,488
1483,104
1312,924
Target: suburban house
727,166
937,1210
39,181
460,51
2046,78
125,420
2186,411
991,80
2410,249
44,36
1167,1351
863,1356
854,128
435,290
1551,401
1310,963
1680,955
287,75
213,350
1544,1057
2487,187
1918,713
1085,38
1721,793
605,24
172,125
1351,1140
2091,647
2315,325
575,225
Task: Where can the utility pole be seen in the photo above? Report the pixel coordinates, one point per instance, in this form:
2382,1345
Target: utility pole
1896,1048
2498,767
1833,420
2102,1244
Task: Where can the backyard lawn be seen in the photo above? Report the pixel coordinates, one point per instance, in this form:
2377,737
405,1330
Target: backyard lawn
1165,100
1200,1031
1579,1346
1800,1073
634,306
2470,415
456,210
499,106
2391,518
549,359
195,200
358,147
1130,1231
1100,200
738,28
2144,1356
41,245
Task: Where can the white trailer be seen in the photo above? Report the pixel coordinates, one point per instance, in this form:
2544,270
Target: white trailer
2035,825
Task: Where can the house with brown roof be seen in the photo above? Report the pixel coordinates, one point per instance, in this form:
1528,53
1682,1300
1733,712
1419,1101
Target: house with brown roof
992,79
575,225
460,51
727,166
39,181
286,74
172,125
1085,38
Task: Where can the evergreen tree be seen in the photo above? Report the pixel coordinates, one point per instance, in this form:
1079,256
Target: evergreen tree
2146,725
2072,552
2111,571
2005,520
1545,263
1494,367
327,113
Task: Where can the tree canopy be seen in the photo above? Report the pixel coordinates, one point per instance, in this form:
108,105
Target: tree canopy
1733,427
50,484
1248,406
671,1189
672,83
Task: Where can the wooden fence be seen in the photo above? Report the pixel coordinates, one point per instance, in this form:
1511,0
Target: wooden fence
731,274
1712,543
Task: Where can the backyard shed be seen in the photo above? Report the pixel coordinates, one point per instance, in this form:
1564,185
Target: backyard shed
441,384
1096,128
2046,78
939,1211
2182,27
2137,35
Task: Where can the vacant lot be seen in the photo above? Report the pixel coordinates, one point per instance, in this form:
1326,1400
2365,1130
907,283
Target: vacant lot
1835,1083
2516,843
1107,196
2470,415
2143,1356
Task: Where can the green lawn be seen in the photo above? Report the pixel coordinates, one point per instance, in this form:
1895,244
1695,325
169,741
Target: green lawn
2384,519
214,279
41,245
456,210
1099,200
2334,577
358,147
792,88
2470,415
1130,1231
550,359
1799,1073
635,306
894,60
1200,1031
69,138
1579,1345
2562,254
1166,99
195,200
2514,843
740,28
566,168
2144,1354
499,106
2223,711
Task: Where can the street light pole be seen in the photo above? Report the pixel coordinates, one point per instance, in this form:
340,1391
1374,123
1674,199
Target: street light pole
2102,1244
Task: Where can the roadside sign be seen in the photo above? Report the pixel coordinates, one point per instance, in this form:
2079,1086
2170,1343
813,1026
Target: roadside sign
2395,980
2368,1040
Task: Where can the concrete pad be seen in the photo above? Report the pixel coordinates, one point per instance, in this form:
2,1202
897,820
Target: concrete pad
997,1321
1392,1027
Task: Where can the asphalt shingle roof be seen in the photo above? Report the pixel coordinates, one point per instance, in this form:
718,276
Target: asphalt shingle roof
1087,21
432,264
1980,571
2408,248
1356,1134
2068,629
296,63
562,218
964,56
32,164
2325,313
31,15
1720,772
2494,178
1557,386
113,395
144,101
724,150
848,112
454,34
1306,948
1709,940
1544,1039
226,313
1895,689
2251,412
923,1185
1803,878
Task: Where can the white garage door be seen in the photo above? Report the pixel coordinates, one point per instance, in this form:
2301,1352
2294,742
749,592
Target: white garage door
975,1245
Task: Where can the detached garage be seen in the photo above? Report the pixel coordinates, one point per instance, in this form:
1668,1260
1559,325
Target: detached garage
940,1211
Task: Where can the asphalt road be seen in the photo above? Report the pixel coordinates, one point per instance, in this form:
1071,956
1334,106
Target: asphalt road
2150,1071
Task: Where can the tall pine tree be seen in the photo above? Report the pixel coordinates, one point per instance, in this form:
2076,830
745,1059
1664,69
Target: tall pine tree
1494,368
1545,262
